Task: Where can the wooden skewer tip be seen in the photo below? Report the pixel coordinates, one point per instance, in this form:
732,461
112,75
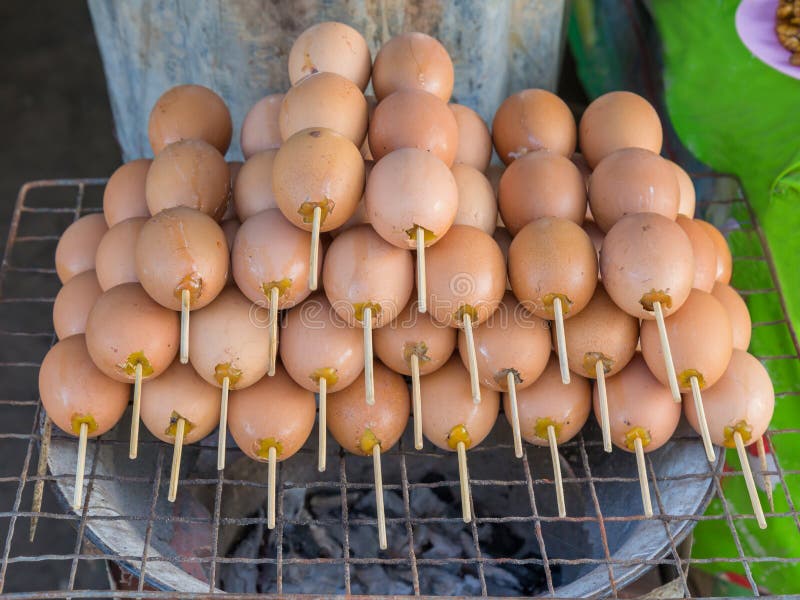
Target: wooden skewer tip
561,341
416,405
605,422
749,481
222,441
323,425
511,383
180,430
463,474
376,463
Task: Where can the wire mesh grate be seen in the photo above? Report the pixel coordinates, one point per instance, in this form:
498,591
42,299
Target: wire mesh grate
28,284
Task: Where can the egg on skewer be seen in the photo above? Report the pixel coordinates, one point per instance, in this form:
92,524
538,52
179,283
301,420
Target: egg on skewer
701,341
512,348
368,281
321,353
724,258
474,139
600,341
325,100
270,421
252,190
643,416
131,338
373,429
77,248
411,200
413,61
552,267
182,261
737,312
330,47
260,128
79,398
452,421
317,179
230,349
179,408
705,255
738,409
551,413
73,303
532,120
115,262
124,194
477,204
189,173
190,112
467,277
270,262
541,184
647,267
414,344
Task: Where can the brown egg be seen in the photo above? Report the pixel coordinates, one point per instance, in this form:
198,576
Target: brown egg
511,340
189,112
356,426
474,139
632,180
227,339
477,204
180,393
317,167
601,332
737,313
366,153
73,303
466,275
700,338
638,406
687,202
533,120
595,234
410,188
705,254
417,333
414,119
413,61
551,402
330,47
116,254
261,128
182,248
618,120
273,413
189,173
742,400
74,391
316,343
647,258
585,170
325,100
77,248
253,190
724,258
126,328
230,228
541,184
124,194
552,258
449,415
363,270
270,252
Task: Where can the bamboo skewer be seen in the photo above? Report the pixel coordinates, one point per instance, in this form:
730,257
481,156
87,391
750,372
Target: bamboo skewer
561,342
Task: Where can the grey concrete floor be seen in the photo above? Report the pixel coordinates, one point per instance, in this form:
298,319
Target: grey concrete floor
55,121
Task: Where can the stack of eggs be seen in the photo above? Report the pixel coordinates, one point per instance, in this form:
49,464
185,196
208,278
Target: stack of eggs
346,205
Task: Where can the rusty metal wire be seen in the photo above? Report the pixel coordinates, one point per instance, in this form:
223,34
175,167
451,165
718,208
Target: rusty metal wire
27,289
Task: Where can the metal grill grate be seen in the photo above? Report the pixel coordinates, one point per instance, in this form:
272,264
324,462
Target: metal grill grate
28,285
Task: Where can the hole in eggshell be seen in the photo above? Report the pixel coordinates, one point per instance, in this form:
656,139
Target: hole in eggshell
549,299
78,419
360,307
590,360
136,358
306,209
427,234
652,296
418,348
458,434
223,370
192,282
685,378
368,441
329,374
282,285
742,427
501,378
261,447
637,432
465,309
542,423
172,428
